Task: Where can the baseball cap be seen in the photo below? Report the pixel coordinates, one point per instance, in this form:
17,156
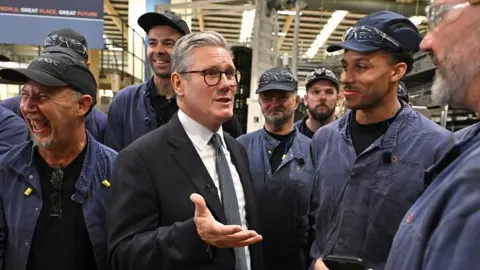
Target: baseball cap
151,19
67,41
55,69
277,79
381,30
402,92
321,74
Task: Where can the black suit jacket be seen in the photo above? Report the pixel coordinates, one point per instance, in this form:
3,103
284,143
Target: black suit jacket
150,218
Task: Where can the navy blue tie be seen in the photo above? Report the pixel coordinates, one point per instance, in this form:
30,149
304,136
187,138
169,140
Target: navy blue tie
229,197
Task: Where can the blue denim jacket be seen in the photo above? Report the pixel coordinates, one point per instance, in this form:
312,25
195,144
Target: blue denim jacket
363,198
442,229
13,130
130,116
19,210
466,132
95,121
283,199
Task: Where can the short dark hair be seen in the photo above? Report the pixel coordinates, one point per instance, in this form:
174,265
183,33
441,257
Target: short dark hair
403,57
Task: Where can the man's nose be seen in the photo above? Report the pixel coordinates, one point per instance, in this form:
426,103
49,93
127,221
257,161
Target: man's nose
426,44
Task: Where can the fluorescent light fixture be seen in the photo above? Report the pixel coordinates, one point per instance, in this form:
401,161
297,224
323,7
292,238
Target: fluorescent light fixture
417,20
248,20
280,34
325,33
335,53
112,48
288,12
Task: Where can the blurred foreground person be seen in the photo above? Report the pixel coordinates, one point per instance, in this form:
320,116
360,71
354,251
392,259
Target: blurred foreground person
440,231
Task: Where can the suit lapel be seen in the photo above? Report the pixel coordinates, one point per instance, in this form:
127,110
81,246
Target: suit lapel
188,159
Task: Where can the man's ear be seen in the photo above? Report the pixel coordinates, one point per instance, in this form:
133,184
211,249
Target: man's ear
177,83
84,104
399,70
297,101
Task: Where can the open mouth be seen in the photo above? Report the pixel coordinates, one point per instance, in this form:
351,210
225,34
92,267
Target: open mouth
39,126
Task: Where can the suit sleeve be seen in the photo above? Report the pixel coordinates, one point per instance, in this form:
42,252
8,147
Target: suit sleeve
454,243
13,131
114,128
136,240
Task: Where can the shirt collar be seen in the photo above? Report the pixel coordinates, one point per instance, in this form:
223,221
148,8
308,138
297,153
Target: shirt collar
154,93
198,134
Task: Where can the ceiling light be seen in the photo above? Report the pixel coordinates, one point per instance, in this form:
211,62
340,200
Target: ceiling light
280,34
248,20
325,33
288,12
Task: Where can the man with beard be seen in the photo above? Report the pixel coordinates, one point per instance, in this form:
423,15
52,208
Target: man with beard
440,231
73,44
54,188
369,164
281,174
139,109
321,100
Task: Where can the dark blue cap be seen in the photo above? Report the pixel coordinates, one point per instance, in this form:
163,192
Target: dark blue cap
151,19
277,78
381,30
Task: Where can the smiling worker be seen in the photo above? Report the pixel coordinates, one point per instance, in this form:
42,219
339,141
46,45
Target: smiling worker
369,164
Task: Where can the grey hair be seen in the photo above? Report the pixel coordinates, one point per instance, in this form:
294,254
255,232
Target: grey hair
183,48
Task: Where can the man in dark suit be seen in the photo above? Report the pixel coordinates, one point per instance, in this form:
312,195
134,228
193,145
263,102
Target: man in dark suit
152,221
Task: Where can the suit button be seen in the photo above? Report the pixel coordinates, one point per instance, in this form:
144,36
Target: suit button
30,176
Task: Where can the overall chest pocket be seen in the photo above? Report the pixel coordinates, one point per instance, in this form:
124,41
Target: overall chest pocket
395,188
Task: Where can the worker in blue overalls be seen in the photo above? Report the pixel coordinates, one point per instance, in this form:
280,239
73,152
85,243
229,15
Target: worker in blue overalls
281,173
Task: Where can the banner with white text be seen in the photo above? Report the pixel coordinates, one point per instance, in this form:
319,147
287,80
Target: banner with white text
30,21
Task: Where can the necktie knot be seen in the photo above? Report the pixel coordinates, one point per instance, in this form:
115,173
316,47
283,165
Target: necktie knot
216,141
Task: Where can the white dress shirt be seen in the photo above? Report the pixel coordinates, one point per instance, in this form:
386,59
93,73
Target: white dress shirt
200,137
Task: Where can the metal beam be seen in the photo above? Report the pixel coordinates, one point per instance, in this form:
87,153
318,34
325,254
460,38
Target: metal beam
201,22
122,27
285,29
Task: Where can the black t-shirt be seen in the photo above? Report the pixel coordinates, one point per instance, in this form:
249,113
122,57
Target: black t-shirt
164,108
61,243
365,135
304,128
286,142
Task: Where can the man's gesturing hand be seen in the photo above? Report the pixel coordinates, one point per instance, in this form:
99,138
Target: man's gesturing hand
217,234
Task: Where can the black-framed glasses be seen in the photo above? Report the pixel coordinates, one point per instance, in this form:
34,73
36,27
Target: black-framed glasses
371,36
212,76
56,206
437,13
